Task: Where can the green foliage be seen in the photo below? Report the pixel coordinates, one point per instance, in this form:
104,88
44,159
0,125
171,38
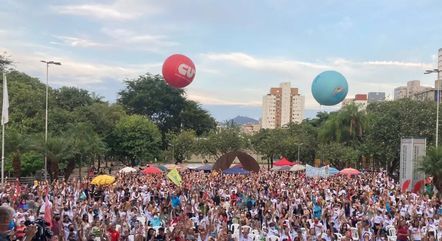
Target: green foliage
346,126
136,139
26,102
181,147
150,96
390,121
218,143
150,118
31,162
195,118
338,154
70,98
432,166
167,107
83,128
285,142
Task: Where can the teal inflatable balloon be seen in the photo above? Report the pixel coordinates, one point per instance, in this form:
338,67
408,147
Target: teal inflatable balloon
329,88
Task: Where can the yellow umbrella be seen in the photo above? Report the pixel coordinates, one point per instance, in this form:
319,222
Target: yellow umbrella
103,180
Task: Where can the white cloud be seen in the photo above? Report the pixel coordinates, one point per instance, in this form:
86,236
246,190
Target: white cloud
399,64
118,10
257,63
128,39
79,42
243,70
120,38
96,10
209,99
236,79
74,72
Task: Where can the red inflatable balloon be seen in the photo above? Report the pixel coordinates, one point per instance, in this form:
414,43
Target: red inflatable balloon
178,71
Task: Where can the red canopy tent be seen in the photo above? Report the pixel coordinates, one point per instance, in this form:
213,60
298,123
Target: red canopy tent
284,162
151,170
349,171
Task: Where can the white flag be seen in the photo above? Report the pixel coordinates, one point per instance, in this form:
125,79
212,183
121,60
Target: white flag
5,109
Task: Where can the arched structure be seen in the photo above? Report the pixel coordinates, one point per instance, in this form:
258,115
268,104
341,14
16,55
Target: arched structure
248,162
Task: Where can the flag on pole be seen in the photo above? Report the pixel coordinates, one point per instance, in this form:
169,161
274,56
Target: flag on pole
406,185
418,186
175,177
5,107
17,192
48,209
48,212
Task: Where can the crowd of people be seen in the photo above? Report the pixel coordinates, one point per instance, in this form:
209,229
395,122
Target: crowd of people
268,205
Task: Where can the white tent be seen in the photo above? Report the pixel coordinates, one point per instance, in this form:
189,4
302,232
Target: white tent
128,170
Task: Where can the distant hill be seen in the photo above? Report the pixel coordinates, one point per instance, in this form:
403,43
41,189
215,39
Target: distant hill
242,120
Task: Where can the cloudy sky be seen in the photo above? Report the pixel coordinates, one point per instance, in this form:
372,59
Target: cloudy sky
240,48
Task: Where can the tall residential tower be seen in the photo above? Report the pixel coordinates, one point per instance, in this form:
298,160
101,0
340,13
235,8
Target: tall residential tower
282,106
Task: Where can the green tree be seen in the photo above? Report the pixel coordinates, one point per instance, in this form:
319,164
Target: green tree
319,120
196,118
58,149
136,139
15,145
338,154
150,96
167,107
26,103
223,141
31,162
86,145
390,121
345,126
181,145
267,142
303,136
432,166
274,143
70,98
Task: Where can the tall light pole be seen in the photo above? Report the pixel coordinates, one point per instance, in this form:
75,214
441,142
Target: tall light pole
173,151
438,99
299,148
46,113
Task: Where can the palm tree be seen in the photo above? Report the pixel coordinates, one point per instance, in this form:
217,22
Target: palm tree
432,166
345,126
15,145
86,145
355,121
58,151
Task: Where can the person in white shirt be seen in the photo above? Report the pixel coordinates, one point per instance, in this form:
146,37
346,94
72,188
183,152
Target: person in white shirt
416,231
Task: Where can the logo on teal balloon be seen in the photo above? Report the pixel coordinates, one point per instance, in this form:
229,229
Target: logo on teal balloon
329,88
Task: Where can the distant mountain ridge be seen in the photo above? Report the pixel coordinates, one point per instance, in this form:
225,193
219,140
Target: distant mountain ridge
243,120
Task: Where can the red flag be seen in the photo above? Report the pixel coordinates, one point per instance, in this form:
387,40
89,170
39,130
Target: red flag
418,186
406,185
17,192
48,212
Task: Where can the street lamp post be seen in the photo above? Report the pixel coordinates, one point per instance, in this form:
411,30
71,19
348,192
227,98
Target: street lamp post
438,99
46,113
299,147
173,151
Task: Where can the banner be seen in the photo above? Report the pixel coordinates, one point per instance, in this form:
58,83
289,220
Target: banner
325,171
413,151
175,177
5,107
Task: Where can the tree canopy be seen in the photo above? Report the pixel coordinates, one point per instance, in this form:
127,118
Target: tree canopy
83,128
151,121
